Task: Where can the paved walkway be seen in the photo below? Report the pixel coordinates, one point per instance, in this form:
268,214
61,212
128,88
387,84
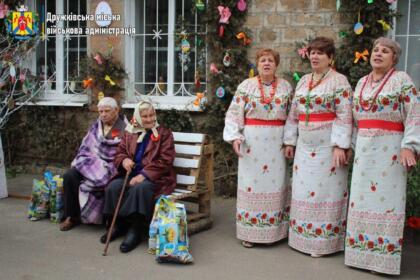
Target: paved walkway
38,250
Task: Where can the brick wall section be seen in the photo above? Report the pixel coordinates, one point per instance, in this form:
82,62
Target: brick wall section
279,24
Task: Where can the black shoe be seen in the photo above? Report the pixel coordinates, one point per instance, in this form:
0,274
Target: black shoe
116,232
132,239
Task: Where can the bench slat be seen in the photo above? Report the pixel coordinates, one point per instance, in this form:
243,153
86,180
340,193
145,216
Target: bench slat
186,162
188,137
185,179
188,149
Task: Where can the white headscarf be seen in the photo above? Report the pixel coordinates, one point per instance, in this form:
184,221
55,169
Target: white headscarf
136,125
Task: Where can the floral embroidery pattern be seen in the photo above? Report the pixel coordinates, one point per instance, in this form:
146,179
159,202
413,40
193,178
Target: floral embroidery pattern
379,245
263,219
309,230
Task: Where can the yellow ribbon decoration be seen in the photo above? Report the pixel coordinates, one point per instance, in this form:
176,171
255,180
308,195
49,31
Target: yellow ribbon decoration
385,25
107,78
363,55
242,36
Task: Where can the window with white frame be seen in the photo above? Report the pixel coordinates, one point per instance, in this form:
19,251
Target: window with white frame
166,58
58,57
407,33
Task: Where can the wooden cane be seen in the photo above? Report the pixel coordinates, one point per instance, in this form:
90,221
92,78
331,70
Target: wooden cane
114,218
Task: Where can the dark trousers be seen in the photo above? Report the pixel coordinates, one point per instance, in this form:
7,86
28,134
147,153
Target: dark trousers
137,200
71,183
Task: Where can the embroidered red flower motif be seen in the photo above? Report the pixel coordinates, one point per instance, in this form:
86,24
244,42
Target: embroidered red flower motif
328,105
265,168
414,91
287,209
336,230
380,240
115,132
329,227
153,138
390,247
385,101
300,229
332,169
248,150
264,216
279,215
394,157
345,94
313,154
374,108
344,223
248,189
337,101
351,241
407,99
357,108
272,220
345,194
293,222
278,101
239,217
254,104
318,100
400,241
296,168
246,215
312,194
361,238
309,226
311,106
373,186
370,244
302,100
395,107
318,231
352,204
254,220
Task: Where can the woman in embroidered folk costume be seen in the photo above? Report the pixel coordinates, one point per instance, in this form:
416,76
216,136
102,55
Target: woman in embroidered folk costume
319,128
146,150
386,109
254,125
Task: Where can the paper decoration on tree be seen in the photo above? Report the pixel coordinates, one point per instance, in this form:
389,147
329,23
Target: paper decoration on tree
303,53
342,34
241,5
22,76
213,69
358,27
385,25
108,79
200,5
101,95
12,72
242,36
363,55
3,10
338,4
225,14
390,1
220,92
227,59
184,55
98,59
88,83
296,77
251,72
370,1
22,24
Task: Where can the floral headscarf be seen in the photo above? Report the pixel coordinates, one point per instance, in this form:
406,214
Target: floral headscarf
136,125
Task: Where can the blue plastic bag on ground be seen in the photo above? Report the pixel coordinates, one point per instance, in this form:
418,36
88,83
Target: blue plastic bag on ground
168,237
40,199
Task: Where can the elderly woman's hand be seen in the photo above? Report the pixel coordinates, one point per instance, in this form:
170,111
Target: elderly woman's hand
339,157
128,164
237,147
407,158
136,180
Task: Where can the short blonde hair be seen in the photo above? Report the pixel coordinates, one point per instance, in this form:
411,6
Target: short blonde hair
389,43
272,52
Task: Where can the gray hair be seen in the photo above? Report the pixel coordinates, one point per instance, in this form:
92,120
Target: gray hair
108,101
389,43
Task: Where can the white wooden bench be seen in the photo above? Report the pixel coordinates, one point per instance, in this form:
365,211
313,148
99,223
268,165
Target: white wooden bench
194,167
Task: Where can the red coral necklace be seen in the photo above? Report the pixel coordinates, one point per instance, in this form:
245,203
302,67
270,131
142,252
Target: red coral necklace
264,99
364,104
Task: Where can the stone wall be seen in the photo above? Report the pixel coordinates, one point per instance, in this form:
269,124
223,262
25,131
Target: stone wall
279,24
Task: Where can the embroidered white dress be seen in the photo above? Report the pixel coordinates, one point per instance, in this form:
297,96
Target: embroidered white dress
378,188
263,189
319,190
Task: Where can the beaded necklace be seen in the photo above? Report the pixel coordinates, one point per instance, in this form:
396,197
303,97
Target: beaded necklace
311,86
362,102
263,98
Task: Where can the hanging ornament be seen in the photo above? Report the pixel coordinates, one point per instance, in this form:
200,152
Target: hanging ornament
3,10
251,72
370,1
338,4
87,83
98,59
303,53
241,5
220,92
296,77
213,69
363,55
225,14
184,55
101,95
108,78
227,59
358,27
200,5
22,76
390,1
342,34
197,80
242,36
12,72
185,45
200,99
385,25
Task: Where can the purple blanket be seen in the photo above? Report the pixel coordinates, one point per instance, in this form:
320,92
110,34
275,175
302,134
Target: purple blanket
95,162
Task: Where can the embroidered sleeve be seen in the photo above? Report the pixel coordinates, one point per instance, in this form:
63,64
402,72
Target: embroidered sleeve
343,124
291,127
235,116
411,115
